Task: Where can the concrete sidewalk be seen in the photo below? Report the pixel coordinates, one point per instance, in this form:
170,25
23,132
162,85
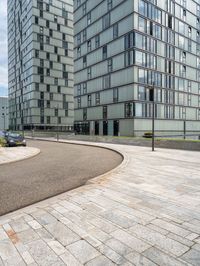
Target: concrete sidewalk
10,155
145,212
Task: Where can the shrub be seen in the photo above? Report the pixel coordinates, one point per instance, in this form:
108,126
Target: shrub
2,142
147,135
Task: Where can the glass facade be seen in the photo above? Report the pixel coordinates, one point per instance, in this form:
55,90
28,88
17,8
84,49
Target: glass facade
151,42
40,44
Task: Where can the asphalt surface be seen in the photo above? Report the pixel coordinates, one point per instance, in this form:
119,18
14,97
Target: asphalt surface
57,169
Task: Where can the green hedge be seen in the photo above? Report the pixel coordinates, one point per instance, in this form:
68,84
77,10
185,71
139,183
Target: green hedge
2,142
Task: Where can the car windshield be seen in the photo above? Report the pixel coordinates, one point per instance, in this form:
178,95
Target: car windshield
14,135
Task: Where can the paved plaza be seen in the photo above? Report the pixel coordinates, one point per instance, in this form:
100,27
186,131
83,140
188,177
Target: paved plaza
10,155
144,212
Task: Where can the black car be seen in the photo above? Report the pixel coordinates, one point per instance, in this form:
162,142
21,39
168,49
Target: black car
14,139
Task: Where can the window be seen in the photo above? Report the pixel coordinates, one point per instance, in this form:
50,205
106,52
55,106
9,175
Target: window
109,4
79,51
97,41
115,31
84,61
89,97
106,21
110,65
182,56
84,88
47,39
65,15
105,112
89,18
36,53
169,51
104,52
79,102
89,73
50,32
65,45
143,8
84,35
115,95
55,81
106,82
142,76
182,70
79,89
129,40
40,38
84,8
41,62
129,110
89,45
78,37
97,98
85,114
40,71
169,66
129,58
142,25
36,20
181,42
140,58
157,31
170,21
37,86
142,93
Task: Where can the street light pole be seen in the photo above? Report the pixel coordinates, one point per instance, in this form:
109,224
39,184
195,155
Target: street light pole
152,90
57,134
4,122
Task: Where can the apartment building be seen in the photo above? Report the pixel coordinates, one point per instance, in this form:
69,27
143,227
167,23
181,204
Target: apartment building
126,48
40,45
3,113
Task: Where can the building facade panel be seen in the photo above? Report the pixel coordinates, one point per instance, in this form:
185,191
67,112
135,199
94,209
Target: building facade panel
40,51
133,47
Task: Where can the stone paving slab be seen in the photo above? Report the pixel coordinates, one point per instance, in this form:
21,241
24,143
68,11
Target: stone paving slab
10,155
144,212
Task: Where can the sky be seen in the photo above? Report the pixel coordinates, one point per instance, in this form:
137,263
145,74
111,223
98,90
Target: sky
3,49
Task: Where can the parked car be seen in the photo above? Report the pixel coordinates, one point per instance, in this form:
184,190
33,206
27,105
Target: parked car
13,139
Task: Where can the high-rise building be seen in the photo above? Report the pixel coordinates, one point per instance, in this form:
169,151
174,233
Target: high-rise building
3,113
122,48
40,44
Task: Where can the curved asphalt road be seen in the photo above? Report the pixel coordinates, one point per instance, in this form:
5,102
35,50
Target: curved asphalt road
57,169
